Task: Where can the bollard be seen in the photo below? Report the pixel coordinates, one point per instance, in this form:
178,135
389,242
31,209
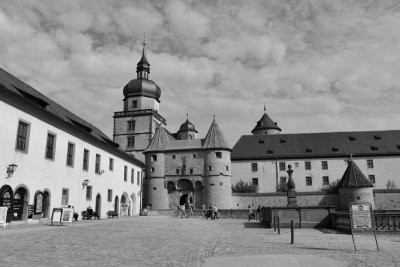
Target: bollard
274,224
292,231
279,227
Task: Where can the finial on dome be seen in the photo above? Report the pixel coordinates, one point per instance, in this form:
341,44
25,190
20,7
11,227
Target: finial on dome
187,116
144,40
265,110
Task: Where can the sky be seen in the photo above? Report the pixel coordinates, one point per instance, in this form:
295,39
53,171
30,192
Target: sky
317,66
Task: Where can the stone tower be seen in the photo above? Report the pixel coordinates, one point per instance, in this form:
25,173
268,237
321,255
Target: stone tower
354,187
187,131
136,124
266,125
217,169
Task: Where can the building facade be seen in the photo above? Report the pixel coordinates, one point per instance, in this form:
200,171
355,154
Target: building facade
318,159
55,159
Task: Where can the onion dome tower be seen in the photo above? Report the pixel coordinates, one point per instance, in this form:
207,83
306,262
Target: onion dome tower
187,130
155,192
136,124
354,187
217,168
266,125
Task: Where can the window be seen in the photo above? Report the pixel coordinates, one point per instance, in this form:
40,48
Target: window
134,104
370,163
254,181
218,155
70,154
109,195
282,166
227,168
85,165
65,196
152,169
131,125
324,165
132,176
125,173
254,167
22,136
307,165
209,168
308,180
131,141
88,192
177,171
111,164
50,146
325,180
138,178
154,157
191,171
194,156
97,165
371,179
283,180
173,157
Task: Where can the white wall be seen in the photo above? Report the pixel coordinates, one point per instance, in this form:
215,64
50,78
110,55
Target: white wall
34,172
385,168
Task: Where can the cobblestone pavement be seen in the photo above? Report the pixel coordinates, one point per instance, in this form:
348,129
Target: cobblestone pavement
172,241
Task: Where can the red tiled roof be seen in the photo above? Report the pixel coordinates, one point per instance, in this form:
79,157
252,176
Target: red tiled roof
317,145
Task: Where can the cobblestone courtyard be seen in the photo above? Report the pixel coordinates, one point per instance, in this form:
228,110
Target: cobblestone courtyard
171,241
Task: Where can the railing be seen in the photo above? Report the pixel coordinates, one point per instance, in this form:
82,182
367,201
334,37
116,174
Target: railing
385,220
139,112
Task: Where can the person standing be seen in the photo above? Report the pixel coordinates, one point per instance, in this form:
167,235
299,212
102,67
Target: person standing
210,212
203,210
183,208
258,214
250,213
191,211
215,209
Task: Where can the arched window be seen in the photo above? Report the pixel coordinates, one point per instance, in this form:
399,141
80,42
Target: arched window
171,187
185,184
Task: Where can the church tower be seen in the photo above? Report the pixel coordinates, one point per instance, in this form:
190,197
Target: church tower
136,124
266,125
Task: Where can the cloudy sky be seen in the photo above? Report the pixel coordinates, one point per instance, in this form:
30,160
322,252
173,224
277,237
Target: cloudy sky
317,65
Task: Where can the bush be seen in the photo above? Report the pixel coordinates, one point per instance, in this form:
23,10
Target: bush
330,188
244,187
391,184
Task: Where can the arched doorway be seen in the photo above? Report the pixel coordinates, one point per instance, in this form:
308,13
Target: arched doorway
98,205
6,200
46,204
116,205
184,200
20,204
124,205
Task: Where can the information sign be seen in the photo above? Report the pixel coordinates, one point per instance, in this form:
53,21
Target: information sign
67,215
3,216
56,215
361,215
30,211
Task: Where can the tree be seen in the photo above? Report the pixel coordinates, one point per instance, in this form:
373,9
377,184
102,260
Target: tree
391,184
282,187
244,187
331,188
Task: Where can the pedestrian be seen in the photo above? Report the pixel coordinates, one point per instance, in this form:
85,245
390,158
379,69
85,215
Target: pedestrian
210,212
191,211
183,208
203,210
258,214
250,213
215,209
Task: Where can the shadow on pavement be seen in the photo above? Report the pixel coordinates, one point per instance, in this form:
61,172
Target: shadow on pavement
329,231
327,249
253,225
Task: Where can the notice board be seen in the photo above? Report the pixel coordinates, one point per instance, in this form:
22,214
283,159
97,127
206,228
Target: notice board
361,214
3,216
56,215
67,215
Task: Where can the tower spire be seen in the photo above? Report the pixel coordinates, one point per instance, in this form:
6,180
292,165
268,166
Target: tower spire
143,66
265,110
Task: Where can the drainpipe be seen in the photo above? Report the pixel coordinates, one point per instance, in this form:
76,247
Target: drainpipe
276,173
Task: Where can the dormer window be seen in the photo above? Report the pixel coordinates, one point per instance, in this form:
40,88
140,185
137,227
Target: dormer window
352,138
308,150
283,141
374,148
377,137
261,141
335,149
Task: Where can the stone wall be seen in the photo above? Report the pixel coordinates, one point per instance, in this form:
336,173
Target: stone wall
387,199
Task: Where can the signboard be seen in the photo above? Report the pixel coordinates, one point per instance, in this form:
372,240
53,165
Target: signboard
361,217
39,203
30,211
361,214
67,215
3,216
56,215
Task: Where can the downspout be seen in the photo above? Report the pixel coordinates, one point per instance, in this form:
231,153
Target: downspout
276,173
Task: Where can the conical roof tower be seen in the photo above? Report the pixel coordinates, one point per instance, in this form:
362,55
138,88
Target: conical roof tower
159,141
353,177
215,139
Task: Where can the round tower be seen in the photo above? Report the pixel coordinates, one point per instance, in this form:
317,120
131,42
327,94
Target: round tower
266,125
187,131
155,192
217,169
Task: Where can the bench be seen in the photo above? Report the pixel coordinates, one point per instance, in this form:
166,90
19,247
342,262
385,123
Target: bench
112,213
87,216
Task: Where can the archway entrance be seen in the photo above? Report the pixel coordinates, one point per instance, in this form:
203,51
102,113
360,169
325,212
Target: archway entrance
6,200
19,204
116,205
98,205
46,204
184,200
124,205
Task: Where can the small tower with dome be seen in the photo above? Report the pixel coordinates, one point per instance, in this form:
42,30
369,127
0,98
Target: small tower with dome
136,124
266,125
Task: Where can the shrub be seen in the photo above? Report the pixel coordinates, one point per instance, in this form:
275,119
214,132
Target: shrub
244,187
282,187
391,184
331,188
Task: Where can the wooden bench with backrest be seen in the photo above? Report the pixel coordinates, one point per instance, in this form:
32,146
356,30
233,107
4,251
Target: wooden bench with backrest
112,213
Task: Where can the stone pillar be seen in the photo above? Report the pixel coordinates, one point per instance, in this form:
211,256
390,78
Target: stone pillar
291,193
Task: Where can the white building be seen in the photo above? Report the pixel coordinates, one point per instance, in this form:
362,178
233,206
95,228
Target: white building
317,159
60,159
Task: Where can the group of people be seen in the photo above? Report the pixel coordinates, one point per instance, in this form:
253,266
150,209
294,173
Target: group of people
253,216
182,211
211,212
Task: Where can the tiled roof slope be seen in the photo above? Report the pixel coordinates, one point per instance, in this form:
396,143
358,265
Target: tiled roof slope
21,95
160,140
215,139
317,145
353,177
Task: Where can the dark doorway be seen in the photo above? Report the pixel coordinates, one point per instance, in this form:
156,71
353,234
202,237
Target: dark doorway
46,204
98,205
116,205
6,200
184,200
18,204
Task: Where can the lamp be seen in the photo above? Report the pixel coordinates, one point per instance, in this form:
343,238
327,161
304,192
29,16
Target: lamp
11,169
85,183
